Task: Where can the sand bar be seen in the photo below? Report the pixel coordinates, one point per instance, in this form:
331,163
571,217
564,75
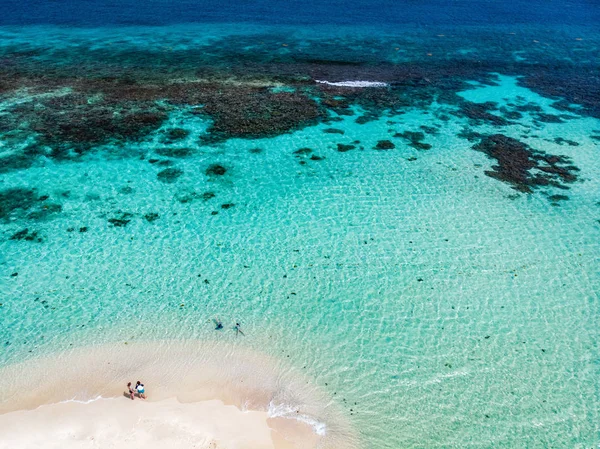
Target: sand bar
201,395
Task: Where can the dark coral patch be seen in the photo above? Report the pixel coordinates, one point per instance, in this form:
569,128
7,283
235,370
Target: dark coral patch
121,220
75,127
15,202
44,211
366,118
27,235
415,139
314,157
169,175
19,203
557,198
333,131
303,152
548,118
429,129
256,112
175,134
342,148
151,217
561,141
227,205
470,135
523,167
385,145
479,113
216,170
174,152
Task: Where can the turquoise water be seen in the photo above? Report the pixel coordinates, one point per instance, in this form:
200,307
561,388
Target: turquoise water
440,300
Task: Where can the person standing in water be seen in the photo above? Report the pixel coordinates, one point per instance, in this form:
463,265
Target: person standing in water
218,324
237,329
140,389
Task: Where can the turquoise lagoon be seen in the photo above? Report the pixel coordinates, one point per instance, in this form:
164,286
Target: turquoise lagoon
436,305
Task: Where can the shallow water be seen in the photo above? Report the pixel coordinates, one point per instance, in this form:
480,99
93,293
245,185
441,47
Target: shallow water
440,292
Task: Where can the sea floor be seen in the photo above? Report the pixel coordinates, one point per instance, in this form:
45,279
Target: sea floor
432,270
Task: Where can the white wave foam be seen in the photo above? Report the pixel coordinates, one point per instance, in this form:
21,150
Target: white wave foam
289,412
89,401
354,83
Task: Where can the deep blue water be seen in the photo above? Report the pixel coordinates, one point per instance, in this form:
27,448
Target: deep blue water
300,12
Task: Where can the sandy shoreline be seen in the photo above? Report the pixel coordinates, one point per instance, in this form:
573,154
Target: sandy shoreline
120,423
201,395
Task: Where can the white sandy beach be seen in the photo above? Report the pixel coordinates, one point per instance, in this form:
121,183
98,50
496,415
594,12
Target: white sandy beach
200,395
120,423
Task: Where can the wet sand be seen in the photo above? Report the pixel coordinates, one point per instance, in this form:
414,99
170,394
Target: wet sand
200,395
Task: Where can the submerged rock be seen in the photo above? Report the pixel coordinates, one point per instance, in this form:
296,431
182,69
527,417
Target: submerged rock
333,131
303,152
151,217
342,148
15,202
121,220
174,152
523,167
415,139
385,145
216,170
27,235
169,175
175,134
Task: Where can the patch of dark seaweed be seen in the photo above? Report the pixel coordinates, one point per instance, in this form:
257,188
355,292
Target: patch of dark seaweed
169,175
175,134
333,131
366,118
548,118
432,130
523,167
44,211
257,112
470,135
303,152
174,152
27,235
186,197
151,217
76,130
415,139
15,201
384,145
121,220
557,198
15,161
216,170
342,148
479,113
561,141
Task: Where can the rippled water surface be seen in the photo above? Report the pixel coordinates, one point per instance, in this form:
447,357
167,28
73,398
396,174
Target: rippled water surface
417,233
